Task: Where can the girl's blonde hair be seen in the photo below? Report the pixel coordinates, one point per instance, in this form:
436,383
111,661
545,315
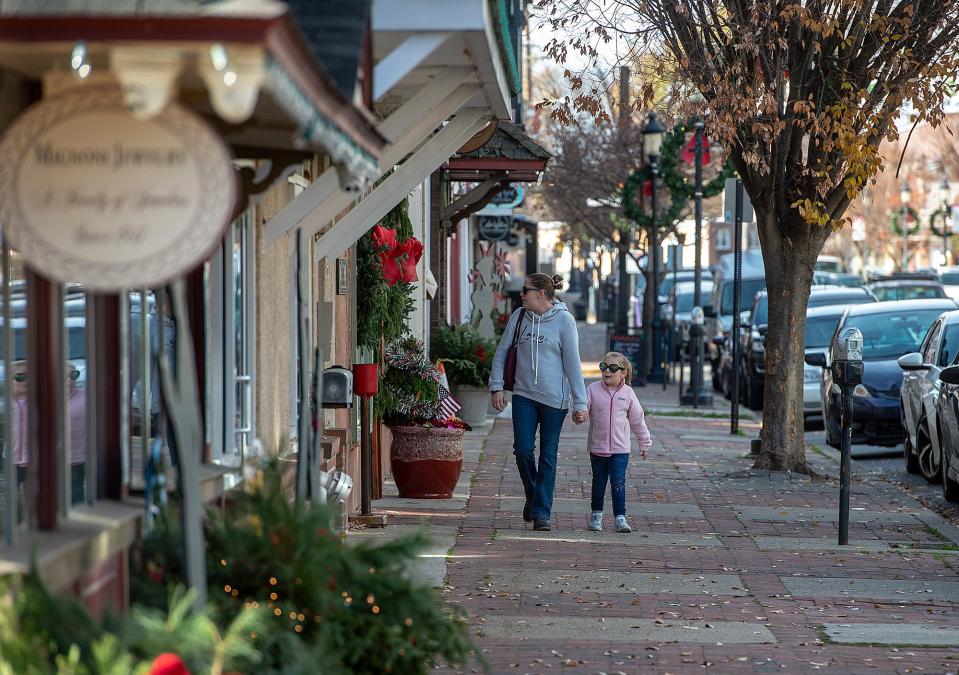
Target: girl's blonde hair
621,360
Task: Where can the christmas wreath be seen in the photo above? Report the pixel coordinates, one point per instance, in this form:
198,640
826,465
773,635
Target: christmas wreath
942,213
680,189
897,228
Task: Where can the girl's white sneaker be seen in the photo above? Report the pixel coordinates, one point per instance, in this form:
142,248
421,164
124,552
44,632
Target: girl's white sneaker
595,521
622,525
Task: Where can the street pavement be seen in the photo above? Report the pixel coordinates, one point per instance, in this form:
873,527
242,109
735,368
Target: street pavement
727,569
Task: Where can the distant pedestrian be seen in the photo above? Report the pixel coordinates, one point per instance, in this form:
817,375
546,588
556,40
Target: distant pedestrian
548,379
614,411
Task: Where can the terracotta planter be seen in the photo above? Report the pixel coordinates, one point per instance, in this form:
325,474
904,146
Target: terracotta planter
426,461
475,402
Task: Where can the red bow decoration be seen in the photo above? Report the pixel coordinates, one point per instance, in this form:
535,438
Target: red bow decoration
648,187
397,259
689,152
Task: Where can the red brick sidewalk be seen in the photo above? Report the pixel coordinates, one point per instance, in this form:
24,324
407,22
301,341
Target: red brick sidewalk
726,569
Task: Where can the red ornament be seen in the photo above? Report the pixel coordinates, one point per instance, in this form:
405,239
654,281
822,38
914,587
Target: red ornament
168,664
689,152
648,187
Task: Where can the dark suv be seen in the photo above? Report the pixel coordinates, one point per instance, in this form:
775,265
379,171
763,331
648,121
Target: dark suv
753,335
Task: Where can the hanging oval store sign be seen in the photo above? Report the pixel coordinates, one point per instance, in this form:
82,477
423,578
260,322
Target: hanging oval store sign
510,196
91,194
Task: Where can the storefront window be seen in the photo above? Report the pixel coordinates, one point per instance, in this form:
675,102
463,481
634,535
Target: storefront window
76,378
15,483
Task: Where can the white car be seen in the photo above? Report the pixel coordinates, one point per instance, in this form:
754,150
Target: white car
950,281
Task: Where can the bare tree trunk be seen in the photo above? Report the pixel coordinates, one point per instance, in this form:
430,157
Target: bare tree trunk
789,271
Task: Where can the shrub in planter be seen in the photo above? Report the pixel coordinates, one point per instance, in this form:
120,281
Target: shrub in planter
354,605
467,358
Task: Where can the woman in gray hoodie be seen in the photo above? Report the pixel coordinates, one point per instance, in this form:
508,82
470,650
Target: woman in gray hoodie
548,380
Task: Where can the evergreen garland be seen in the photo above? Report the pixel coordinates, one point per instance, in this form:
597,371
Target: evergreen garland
384,309
897,228
680,189
409,391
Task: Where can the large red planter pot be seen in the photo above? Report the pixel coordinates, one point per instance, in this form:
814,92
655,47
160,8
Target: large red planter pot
426,461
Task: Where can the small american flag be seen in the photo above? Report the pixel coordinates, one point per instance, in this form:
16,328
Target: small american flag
448,404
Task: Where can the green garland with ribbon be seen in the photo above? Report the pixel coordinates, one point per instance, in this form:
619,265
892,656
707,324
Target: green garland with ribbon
681,190
945,232
915,218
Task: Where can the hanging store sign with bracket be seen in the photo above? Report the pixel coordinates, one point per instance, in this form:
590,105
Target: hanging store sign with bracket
91,194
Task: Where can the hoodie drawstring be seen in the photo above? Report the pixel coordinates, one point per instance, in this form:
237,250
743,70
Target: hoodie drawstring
534,352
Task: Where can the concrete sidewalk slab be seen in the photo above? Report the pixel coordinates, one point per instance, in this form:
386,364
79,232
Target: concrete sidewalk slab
876,589
788,514
891,634
650,539
626,630
605,581
431,566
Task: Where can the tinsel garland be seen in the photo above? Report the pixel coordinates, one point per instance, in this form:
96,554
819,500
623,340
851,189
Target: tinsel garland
681,190
414,362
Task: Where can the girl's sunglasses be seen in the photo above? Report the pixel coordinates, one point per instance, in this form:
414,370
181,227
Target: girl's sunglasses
611,367
22,377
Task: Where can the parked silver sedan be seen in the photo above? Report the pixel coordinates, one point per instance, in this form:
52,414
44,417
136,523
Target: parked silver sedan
920,392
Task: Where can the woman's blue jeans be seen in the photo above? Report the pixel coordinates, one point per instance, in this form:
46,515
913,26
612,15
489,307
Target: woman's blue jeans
610,470
538,481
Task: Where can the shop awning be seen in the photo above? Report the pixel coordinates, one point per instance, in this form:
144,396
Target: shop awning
441,75
244,64
509,151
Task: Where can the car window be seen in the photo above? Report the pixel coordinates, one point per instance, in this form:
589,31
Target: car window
929,343
821,300
949,346
819,331
908,292
950,278
750,287
761,313
889,335
684,302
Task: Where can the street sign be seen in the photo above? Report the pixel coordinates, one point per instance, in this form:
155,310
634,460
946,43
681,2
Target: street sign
510,196
494,228
93,195
729,203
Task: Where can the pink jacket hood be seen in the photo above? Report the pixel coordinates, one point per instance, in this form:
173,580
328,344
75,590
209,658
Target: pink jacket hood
612,415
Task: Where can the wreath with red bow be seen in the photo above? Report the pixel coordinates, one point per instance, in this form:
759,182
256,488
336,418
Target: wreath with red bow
398,259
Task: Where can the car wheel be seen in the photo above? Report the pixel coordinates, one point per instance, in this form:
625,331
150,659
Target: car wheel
928,465
833,433
909,452
950,488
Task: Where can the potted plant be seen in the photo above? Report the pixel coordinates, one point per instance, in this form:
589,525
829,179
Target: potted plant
426,452
467,358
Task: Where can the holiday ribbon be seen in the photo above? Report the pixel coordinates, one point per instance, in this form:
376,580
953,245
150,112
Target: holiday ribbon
411,251
397,259
689,152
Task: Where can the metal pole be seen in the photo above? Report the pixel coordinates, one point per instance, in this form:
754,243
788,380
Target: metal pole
654,260
622,299
844,469
905,237
737,289
366,460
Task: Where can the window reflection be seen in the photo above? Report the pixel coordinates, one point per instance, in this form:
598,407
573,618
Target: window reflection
75,369
19,374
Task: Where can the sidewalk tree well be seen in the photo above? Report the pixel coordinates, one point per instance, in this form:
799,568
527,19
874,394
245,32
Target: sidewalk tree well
802,94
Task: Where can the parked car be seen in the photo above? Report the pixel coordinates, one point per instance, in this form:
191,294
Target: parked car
919,395
949,276
821,325
681,276
753,336
948,414
719,326
889,330
907,287
837,278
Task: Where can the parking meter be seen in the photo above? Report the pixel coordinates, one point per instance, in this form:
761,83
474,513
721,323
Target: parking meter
847,368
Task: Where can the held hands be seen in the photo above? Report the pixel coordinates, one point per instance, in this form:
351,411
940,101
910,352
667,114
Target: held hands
498,400
580,416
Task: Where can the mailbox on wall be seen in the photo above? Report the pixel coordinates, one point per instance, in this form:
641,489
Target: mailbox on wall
337,387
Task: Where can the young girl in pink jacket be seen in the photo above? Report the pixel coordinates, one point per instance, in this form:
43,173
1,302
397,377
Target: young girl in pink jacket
614,411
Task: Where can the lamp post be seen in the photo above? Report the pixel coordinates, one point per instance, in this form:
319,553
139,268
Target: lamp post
653,133
944,194
697,395
905,196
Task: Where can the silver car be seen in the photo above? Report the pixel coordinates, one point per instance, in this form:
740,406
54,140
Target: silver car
920,391
821,324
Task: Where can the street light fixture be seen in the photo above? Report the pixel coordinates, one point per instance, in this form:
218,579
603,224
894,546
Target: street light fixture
945,192
653,133
905,196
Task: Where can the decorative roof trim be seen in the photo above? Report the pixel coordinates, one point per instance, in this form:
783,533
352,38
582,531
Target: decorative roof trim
501,21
